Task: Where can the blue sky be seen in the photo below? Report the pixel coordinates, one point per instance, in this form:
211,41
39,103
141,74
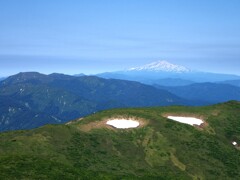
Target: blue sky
91,36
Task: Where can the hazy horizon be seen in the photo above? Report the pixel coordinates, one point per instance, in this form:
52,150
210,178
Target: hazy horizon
98,72
90,36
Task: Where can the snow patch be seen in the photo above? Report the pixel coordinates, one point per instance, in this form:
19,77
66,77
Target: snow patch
234,143
123,123
21,90
161,66
187,120
56,119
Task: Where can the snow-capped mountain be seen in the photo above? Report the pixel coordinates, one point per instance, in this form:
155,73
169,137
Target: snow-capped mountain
167,74
161,66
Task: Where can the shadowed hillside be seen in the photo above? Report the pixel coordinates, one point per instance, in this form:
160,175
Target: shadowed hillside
32,99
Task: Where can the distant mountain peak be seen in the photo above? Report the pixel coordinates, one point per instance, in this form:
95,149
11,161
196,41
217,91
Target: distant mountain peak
164,66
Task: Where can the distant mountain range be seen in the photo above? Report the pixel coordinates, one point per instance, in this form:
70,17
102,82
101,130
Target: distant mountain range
2,78
231,82
32,99
161,71
210,92
183,82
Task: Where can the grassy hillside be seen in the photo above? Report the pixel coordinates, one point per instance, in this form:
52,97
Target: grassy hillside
161,149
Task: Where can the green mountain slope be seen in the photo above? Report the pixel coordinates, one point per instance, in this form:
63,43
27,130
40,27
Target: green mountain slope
159,149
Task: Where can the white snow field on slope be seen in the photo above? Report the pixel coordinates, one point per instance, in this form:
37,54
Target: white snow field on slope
161,66
186,120
123,123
